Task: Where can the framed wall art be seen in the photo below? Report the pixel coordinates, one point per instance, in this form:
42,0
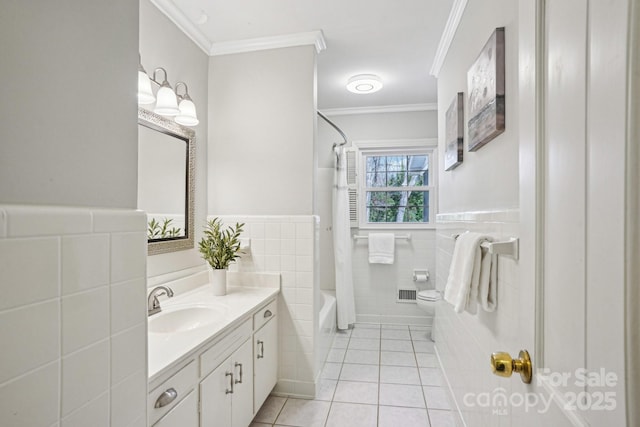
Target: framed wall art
454,133
485,84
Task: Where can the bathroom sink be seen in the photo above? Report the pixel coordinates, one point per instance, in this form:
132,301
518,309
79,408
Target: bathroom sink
182,319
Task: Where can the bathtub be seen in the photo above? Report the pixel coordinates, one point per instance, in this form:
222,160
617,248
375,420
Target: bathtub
326,325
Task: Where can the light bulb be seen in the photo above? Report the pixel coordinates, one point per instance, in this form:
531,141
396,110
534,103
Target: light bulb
145,94
187,115
167,103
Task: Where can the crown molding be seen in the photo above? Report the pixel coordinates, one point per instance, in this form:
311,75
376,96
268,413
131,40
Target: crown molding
406,108
315,38
175,15
455,16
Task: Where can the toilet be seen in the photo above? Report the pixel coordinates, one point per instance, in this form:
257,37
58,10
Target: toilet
427,301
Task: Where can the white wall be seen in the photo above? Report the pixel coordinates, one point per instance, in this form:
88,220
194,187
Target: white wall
74,278
488,178
260,170
262,116
375,286
162,44
67,116
482,194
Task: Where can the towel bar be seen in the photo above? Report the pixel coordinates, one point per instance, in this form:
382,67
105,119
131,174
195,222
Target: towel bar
397,236
509,247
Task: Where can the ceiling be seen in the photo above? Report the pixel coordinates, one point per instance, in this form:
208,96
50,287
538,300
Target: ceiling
396,40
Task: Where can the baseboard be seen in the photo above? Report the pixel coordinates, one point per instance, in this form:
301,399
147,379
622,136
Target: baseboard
293,388
395,320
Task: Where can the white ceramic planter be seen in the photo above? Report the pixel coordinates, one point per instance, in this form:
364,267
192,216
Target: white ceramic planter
218,281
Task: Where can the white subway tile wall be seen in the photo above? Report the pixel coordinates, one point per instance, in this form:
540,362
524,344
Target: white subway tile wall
464,341
376,285
73,286
288,245
30,269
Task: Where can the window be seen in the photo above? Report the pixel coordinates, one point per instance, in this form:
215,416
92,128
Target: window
396,187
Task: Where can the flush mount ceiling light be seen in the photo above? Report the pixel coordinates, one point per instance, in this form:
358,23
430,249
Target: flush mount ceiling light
364,83
167,101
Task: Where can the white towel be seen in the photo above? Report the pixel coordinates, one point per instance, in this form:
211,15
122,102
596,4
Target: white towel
466,283
381,248
488,281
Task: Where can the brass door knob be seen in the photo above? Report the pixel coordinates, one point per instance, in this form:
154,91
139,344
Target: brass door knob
503,365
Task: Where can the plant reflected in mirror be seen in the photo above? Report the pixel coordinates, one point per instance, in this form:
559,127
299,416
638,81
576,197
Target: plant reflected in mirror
157,230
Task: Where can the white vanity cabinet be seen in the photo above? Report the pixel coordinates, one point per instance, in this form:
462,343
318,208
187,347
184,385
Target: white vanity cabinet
226,395
225,380
265,353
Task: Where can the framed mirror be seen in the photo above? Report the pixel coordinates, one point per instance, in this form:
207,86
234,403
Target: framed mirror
166,182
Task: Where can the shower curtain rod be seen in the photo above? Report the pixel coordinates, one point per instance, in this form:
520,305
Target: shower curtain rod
336,128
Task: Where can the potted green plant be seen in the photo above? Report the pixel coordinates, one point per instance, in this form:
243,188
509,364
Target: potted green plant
220,247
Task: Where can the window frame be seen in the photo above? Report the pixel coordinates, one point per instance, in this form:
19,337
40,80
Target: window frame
396,148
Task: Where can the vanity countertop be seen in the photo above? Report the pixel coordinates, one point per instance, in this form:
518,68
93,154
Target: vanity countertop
167,350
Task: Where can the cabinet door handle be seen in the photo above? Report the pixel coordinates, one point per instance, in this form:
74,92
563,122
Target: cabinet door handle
229,374
268,313
261,344
240,380
166,397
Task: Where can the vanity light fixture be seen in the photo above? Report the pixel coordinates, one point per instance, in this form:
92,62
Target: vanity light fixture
166,100
145,94
364,83
187,115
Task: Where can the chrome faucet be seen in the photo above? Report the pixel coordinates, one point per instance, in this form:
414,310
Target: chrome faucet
153,305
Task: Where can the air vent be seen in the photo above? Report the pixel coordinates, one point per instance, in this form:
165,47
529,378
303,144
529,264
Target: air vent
407,295
352,172
352,185
353,207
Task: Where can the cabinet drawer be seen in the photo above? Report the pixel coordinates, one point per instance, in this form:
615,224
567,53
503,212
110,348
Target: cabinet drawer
213,357
265,314
170,392
184,414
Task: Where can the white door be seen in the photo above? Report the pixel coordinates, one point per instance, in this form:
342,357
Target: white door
578,195
565,212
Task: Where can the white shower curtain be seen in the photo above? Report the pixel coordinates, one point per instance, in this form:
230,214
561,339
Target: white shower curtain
342,243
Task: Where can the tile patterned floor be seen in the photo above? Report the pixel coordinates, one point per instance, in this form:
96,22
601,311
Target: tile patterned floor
375,376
